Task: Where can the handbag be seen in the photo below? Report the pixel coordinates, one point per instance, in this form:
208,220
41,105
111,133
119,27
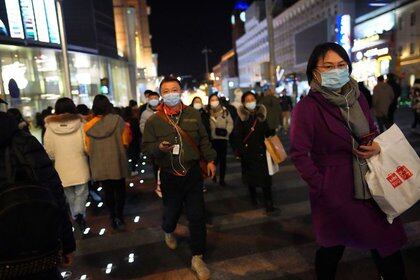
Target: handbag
190,140
394,175
221,132
275,149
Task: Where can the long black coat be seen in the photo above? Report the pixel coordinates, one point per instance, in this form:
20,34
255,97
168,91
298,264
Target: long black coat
36,156
252,151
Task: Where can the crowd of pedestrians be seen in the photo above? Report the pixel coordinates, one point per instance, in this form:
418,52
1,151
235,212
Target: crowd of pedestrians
85,148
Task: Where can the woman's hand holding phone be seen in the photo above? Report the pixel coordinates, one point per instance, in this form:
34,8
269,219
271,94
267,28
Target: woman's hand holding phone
166,146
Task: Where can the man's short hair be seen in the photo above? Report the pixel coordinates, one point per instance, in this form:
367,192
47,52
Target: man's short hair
168,79
381,78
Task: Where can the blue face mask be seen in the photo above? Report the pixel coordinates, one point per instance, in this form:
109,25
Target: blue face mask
154,102
251,105
171,99
335,78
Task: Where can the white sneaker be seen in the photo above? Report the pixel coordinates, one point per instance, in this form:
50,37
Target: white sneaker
200,267
170,241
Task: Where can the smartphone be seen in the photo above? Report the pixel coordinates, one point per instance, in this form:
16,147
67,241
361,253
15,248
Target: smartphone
366,140
166,144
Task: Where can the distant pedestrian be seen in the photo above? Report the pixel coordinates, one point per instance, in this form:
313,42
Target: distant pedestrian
272,104
133,151
250,131
107,138
17,115
286,107
366,93
64,143
143,107
326,127
383,97
396,88
133,104
197,104
415,105
221,126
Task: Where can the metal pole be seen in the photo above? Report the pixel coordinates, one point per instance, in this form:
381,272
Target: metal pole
270,33
206,52
63,39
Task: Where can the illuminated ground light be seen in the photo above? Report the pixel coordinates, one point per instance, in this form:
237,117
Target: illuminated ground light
66,274
100,204
144,157
130,160
137,165
137,219
142,171
141,181
88,204
86,230
72,228
108,268
143,163
131,258
99,189
102,231
83,277
131,185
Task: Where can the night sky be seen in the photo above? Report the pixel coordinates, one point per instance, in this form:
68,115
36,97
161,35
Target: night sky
181,29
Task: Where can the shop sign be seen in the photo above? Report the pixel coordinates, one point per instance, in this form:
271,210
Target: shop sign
28,19
376,52
343,31
15,19
53,31
41,20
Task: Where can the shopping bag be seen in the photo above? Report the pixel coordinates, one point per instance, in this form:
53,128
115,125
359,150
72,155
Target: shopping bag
275,148
394,176
273,168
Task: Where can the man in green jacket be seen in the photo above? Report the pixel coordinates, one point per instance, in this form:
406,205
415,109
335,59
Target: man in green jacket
176,139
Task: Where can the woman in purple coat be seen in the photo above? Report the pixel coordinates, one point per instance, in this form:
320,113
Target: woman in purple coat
328,150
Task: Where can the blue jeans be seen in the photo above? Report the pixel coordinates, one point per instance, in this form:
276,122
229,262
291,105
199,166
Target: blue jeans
76,198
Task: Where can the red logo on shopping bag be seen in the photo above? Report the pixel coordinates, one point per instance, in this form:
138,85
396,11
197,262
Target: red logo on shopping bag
404,172
394,180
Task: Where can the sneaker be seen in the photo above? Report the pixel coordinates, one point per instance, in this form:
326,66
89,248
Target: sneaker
200,267
81,222
170,241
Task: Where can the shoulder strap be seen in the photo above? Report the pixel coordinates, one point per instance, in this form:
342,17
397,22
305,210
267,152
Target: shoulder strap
251,131
183,133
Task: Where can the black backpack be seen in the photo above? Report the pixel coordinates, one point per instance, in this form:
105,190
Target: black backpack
30,221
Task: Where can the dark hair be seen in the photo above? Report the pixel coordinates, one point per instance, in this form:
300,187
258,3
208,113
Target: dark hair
197,97
381,78
147,92
132,103
127,113
246,94
16,114
210,96
319,52
154,93
169,79
82,109
65,105
101,105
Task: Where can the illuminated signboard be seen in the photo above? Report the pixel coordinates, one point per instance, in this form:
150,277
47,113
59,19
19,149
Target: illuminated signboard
343,32
376,25
41,21
15,19
53,31
28,19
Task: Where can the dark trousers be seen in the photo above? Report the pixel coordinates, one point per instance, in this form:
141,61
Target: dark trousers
187,190
268,199
115,197
221,149
327,259
383,123
416,119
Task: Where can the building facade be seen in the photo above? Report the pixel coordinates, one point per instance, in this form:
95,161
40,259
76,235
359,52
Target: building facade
252,47
298,29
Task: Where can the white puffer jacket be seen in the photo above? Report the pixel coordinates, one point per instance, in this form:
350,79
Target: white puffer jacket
64,143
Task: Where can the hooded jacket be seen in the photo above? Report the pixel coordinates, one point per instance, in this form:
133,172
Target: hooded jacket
105,140
37,158
64,143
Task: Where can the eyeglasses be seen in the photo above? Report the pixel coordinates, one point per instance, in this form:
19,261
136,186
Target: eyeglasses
331,67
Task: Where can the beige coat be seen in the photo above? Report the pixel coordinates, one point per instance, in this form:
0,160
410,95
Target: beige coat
64,143
383,96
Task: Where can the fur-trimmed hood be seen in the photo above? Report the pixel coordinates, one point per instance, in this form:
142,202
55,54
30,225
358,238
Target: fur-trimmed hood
244,113
64,123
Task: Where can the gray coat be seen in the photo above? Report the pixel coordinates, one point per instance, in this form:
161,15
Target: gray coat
107,155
